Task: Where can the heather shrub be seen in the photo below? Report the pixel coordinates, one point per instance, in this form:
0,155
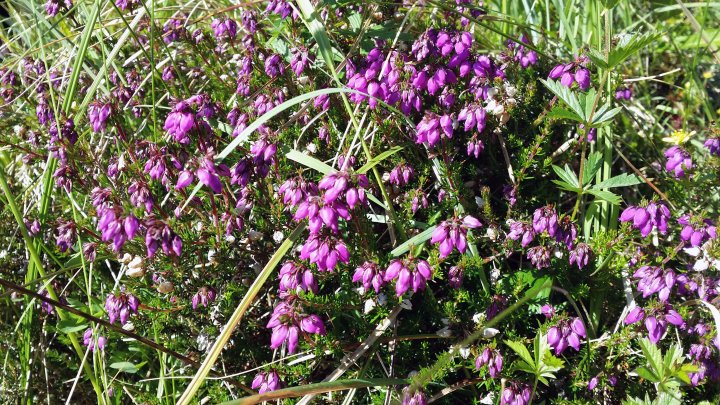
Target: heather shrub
357,202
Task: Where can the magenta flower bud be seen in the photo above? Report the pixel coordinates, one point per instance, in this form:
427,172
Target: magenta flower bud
556,72
567,79
636,314
582,77
131,225
184,179
592,383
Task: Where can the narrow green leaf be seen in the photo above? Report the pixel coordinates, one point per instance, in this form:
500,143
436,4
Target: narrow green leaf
237,316
379,158
318,388
71,325
647,374
605,195
125,366
567,175
593,163
566,95
309,161
564,113
414,241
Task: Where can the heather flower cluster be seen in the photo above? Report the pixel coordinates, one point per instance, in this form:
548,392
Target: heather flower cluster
328,190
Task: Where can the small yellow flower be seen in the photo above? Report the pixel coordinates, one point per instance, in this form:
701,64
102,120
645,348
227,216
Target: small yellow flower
679,137
707,74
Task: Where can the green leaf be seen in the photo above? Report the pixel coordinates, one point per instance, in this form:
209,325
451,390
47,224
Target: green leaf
125,366
523,352
566,187
629,46
593,163
309,161
653,356
566,95
597,58
379,158
355,21
603,115
414,241
567,175
564,113
647,374
71,325
621,180
608,196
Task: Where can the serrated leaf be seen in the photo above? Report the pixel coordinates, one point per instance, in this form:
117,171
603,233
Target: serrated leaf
621,180
414,241
564,113
652,355
567,187
597,58
523,352
604,115
567,175
355,21
608,196
629,47
592,165
567,96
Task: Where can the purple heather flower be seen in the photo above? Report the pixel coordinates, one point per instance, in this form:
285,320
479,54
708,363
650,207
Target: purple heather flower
174,30
52,7
713,146
498,304
89,341
266,381
204,296
274,66
510,194
522,54
539,256
432,127
295,190
66,234
224,28
140,195
281,8
419,199
696,232
492,358
413,397
287,321
455,276
452,234
566,333
180,122
33,228
325,252
370,275
320,213
296,277
547,310
655,215
678,160
401,175
342,187
475,147
545,219
580,256
655,280
159,234
89,251
299,60
263,152
656,321
515,393
593,383
98,114
474,117
521,231
408,272
623,93
121,306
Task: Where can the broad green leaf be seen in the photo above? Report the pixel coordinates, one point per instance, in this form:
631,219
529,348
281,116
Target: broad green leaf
653,356
647,374
414,241
621,180
523,352
125,366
